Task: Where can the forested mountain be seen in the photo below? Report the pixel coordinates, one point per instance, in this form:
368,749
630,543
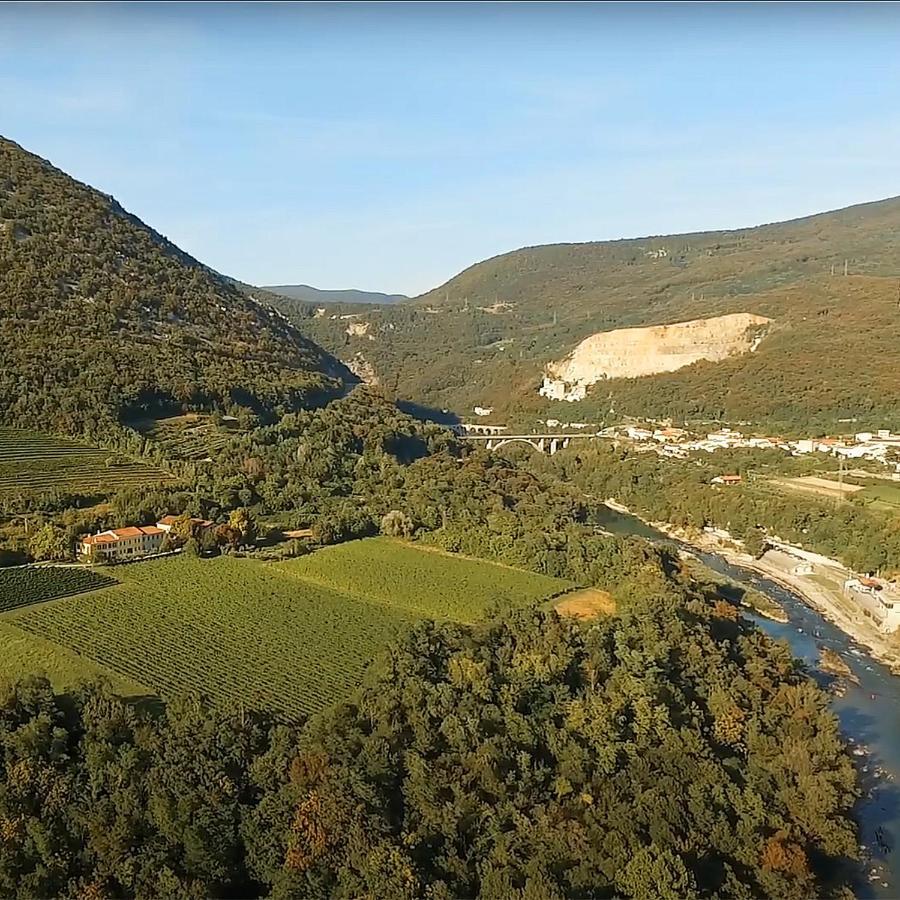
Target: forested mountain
102,318
317,295
486,335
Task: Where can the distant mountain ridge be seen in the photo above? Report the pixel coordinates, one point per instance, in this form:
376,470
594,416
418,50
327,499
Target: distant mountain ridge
102,318
311,294
487,336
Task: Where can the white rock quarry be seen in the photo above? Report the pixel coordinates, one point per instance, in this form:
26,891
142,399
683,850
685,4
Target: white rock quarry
636,352
359,329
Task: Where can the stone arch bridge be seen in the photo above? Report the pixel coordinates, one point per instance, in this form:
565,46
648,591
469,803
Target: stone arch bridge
494,437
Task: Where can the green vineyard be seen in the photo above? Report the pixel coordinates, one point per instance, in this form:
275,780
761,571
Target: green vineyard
23,654
191,437
24,586
421,581
289,637
31,462
227,629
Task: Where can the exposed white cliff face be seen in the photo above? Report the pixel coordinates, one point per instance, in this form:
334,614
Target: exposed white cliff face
362,369
636,352
359,329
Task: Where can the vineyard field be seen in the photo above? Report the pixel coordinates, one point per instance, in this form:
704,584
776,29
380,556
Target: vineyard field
24,654
192,436
24,586
31,462
290,637
230,629
421,581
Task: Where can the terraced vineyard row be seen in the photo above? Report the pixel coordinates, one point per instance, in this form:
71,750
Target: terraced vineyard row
192,446
16,443
38,463
80,478
228,629
11,454
190,437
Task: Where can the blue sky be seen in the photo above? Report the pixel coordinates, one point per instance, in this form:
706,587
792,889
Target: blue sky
388,147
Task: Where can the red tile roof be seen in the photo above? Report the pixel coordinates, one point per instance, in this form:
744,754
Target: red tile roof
118,534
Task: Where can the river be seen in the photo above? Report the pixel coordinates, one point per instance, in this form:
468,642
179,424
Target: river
869,712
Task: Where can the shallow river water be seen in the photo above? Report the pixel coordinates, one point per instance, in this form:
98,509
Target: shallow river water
869,713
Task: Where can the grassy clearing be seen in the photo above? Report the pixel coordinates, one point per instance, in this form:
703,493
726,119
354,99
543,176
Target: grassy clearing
882,494
24,586
291,637
31,462
425,582
822,487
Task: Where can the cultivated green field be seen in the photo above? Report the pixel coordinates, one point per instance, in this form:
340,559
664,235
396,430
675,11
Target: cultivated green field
24,654
290,637
885,496
426,582
22,587
231,629
31,462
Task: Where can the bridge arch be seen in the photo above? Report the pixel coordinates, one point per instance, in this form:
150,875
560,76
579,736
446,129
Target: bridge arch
537,444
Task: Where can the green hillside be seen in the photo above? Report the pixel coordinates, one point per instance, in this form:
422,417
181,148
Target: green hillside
101,318
485,336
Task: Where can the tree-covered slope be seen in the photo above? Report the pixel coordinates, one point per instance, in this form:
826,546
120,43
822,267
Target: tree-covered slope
101,317
485,336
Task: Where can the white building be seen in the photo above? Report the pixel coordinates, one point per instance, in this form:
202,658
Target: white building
122,543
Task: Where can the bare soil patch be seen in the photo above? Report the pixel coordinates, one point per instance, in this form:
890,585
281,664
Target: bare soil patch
588,603
824,487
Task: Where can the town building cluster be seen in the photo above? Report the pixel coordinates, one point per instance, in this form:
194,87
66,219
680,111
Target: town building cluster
879,599
880,446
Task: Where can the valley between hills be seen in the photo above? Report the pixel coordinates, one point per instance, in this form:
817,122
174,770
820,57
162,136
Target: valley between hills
269,627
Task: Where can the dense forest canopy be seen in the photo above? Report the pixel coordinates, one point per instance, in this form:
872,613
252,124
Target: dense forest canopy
102,318
670,751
